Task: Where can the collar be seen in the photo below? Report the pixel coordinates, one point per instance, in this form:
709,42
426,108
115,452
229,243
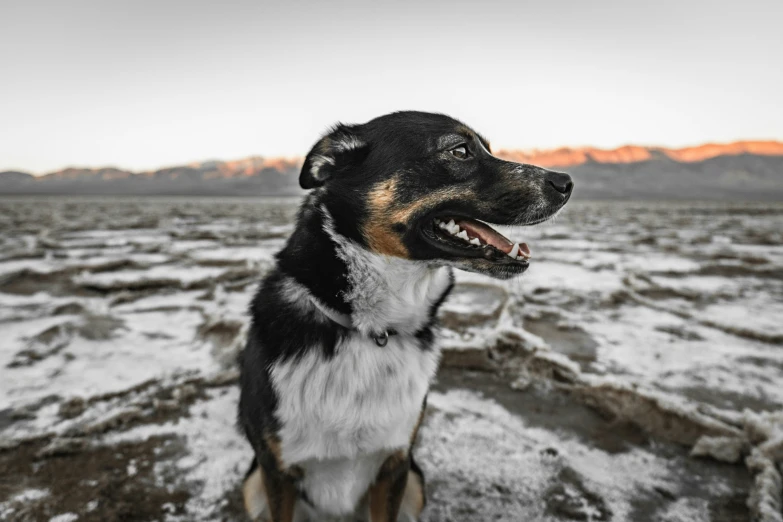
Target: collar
344,320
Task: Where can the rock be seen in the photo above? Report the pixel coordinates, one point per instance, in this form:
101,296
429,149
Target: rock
468,359
725,449
99,327
69,309
62,446
185,392
223,378
114,420
165,404
522,382
72,408
472,305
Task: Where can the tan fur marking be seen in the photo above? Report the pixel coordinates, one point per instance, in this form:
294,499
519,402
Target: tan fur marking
413,500
391,463
385,211
379,499
471,134
273,444
405,213
377,230
254,495
384,508
465,131
281,496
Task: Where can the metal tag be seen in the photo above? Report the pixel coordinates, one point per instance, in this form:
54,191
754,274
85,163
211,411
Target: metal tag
383,339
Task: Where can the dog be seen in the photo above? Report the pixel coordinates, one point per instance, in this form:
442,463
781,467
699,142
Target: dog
340,352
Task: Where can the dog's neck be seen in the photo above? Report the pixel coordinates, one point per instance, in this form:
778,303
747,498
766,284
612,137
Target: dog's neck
378,292
387,292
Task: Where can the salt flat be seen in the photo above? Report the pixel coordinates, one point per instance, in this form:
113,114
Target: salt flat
634,373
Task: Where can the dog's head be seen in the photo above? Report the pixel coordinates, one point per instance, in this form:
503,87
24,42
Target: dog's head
426,187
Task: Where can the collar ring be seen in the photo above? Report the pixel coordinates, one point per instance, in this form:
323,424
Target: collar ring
383,339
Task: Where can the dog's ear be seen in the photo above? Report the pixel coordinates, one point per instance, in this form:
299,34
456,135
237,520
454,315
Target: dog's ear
338,151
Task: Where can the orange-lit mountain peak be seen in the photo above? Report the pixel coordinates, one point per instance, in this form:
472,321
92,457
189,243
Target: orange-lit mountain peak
711,150
568,157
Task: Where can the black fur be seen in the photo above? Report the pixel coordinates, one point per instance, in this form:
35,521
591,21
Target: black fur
309,257
412,152
415,147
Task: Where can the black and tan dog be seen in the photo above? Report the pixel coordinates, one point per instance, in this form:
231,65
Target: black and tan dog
340,353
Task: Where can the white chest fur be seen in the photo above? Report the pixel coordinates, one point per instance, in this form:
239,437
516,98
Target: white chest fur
341,416
387,292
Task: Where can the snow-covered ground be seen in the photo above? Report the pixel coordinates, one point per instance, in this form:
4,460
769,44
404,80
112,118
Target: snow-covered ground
634,373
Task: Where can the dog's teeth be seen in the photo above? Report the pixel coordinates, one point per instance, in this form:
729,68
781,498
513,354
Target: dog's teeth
463,235
442,225
514,251
475,241
451,224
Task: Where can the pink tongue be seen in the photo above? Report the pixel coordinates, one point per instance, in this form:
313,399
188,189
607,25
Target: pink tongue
490,236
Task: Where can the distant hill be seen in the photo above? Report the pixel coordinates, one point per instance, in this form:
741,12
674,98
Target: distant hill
12,176
746,170
247,177
568,157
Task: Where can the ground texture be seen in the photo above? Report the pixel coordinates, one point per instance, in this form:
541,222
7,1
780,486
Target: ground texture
635,373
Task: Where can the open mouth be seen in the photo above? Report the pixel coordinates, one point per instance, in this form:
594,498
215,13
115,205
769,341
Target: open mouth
472,238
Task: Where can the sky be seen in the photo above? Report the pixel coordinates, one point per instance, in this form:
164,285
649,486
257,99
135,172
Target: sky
146,84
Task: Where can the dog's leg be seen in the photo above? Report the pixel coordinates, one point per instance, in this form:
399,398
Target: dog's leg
280,495
279,486
387,492
254,494
414,499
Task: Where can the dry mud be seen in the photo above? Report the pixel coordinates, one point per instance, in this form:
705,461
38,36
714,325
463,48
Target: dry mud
635,373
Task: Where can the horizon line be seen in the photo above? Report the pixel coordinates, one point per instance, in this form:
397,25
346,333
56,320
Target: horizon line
507,151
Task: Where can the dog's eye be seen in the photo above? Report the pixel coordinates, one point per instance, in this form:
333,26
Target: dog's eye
460,152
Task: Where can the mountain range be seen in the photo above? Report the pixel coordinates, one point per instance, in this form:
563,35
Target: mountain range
744,170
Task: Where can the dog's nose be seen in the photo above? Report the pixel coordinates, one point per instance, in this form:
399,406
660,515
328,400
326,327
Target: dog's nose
560,182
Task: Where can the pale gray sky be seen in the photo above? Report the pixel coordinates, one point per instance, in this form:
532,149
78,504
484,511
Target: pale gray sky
144,84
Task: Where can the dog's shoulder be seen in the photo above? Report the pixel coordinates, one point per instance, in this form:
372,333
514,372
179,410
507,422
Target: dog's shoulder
282,328
283,322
